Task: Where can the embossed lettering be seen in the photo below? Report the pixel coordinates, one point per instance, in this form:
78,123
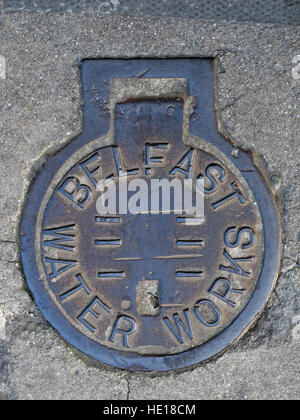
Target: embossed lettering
91,173
180,326
71,186
94,309
122,172
236,194
222,288
61,237
82,286
156,160
235,267
125,326
214,173
209,315
244,237
185,165
59,266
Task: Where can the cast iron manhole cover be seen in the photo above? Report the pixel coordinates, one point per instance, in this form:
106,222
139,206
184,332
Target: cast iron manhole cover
149,242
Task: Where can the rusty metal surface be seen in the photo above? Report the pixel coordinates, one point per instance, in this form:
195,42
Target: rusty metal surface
150,291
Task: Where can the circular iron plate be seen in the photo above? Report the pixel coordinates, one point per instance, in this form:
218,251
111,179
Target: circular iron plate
149,291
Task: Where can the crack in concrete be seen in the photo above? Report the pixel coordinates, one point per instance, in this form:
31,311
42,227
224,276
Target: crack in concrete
231,104
5,378
9,261
293,266
127,379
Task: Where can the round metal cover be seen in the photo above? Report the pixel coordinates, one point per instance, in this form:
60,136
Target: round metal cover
139,287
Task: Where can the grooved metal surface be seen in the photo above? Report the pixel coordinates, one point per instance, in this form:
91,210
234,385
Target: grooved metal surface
269,11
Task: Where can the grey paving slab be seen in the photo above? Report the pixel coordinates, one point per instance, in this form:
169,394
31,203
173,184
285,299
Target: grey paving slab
270,11
272,378
40,110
